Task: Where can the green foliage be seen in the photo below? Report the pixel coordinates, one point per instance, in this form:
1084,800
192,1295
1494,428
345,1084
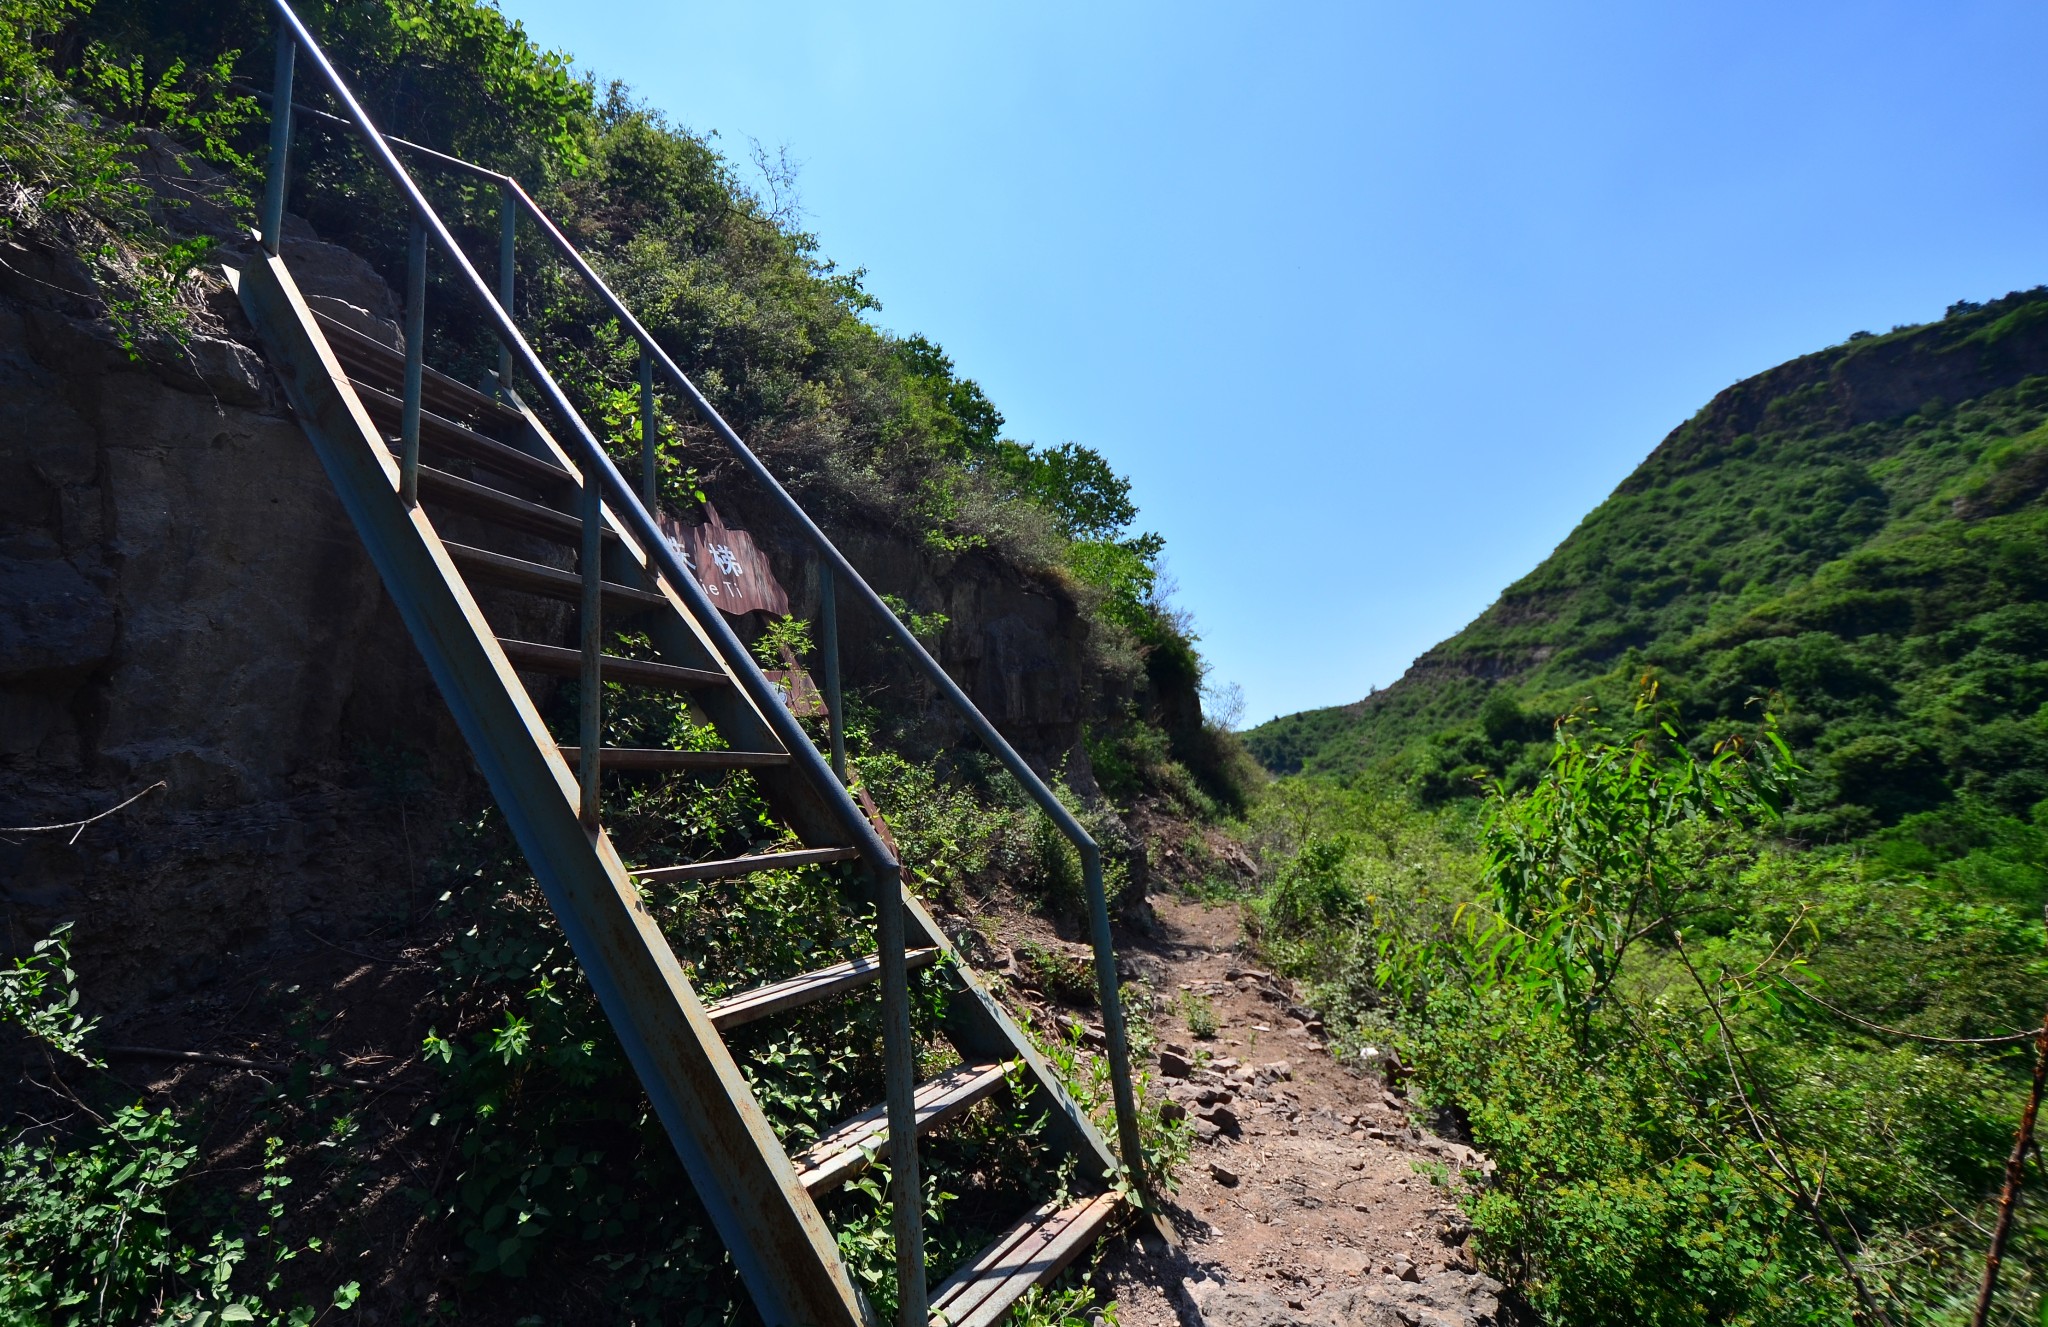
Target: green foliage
783,634
1875,568
1600,853
92,1222
39,995
1311,893
925,626
69,173
1078,1306
1057,973
1199,1011
1621,996
1090,501
1166,1143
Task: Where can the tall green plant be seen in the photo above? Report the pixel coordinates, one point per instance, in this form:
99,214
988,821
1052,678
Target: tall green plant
1601,853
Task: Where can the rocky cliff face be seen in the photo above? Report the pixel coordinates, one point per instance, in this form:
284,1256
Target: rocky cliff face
183,600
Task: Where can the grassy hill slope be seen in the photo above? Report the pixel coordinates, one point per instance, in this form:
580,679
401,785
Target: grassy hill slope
1859,531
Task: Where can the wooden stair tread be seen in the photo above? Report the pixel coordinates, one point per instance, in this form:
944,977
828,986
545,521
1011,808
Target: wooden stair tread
355,350
1029,1254
726,868
438,486
447,435
847,1150
762,1001
654,757
560,661
538,578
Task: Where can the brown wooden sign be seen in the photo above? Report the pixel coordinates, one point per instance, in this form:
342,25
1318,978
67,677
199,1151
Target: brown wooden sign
800,695
726,563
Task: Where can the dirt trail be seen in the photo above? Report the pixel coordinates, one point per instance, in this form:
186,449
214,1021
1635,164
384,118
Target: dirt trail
1307,1200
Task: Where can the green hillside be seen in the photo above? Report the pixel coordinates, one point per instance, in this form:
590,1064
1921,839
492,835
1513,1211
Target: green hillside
1858,531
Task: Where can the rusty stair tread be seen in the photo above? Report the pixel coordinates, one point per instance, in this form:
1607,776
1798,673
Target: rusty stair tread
502,508
1029,1254
775,997
459,440
538,578
655,758
357,351
561,661
847,1150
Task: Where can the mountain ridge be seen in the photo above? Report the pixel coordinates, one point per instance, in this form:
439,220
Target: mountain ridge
1708,545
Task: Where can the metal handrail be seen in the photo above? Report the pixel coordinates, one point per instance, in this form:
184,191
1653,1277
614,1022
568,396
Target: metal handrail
627,506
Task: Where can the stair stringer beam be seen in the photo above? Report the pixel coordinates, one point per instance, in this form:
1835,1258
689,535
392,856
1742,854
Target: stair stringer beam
778,1241
980,1027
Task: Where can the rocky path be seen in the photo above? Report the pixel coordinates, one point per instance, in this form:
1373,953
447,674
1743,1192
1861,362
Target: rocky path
1312,1196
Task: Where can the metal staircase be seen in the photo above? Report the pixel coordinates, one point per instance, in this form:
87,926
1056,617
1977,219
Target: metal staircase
408,449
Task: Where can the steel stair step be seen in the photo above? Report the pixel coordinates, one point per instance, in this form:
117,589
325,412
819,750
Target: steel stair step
1029,1254
559,661
552,582
384,364
660,758
747,1006
447,435
516,513
847,1150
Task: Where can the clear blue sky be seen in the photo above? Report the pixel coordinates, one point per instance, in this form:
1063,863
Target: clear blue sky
1371,301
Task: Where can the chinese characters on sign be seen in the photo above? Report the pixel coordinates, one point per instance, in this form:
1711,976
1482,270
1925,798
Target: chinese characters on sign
726,563
737,579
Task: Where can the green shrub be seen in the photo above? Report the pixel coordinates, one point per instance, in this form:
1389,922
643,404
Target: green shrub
1059,974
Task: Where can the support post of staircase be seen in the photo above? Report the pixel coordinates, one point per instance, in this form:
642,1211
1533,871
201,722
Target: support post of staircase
828,647
899,1065
649,480
590,696
508,232
415,361
277,173
1118,1045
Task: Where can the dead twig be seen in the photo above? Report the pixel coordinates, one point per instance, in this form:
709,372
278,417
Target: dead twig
1774,1142
78,826
253,1066
357,953
200,1057
2010,1039
2015,1166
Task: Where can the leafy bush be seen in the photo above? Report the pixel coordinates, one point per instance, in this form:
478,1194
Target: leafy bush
70,144
93,1219
1636,1012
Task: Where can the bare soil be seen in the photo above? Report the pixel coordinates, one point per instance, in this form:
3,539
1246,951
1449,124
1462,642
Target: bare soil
1323,1185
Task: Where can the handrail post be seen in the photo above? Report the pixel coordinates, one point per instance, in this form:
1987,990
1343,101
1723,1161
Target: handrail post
650,494
828,649
1113,1032
591,691
899,1066
508,233
415,359
277,170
